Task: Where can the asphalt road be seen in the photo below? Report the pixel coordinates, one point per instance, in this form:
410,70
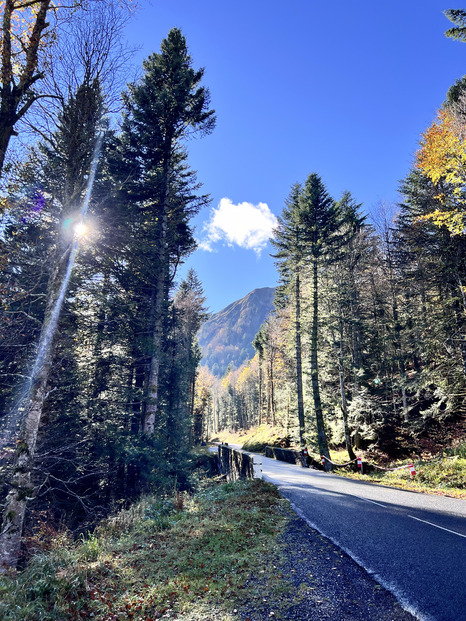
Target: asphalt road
413,544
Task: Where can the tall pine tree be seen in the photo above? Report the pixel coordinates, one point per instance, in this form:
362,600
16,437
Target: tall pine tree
160,192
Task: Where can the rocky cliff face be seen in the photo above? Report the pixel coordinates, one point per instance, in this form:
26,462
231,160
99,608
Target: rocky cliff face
226,338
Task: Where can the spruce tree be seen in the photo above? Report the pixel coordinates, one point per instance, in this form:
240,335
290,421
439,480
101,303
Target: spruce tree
320,221
343,316
291,259
458,18
160,192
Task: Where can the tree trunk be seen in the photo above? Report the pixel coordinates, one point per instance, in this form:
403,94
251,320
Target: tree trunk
192,395
261,386
272,389
159,299
268,397
299,366
321,435
5,135
341,373
355,336
21,487
152,396
7,109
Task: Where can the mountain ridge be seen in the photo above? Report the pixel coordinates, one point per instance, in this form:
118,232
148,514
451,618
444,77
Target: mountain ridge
226,338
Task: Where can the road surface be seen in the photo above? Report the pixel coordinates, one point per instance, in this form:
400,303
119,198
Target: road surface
413,544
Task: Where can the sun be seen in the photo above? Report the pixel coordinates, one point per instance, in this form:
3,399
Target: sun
80,229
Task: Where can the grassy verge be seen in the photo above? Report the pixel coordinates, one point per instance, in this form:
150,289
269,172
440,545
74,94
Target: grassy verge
160,558
444,475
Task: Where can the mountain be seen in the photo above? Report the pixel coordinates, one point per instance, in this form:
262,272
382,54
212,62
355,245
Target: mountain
226,338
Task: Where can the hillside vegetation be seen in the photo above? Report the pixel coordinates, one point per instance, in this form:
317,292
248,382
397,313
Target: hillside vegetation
366,348
226,337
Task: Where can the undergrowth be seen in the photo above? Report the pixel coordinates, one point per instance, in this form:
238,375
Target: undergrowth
159,558
444,474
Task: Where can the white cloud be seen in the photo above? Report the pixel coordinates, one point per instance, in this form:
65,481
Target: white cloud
246,225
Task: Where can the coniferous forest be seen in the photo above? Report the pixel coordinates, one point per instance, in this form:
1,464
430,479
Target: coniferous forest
366,347
98,347
102,396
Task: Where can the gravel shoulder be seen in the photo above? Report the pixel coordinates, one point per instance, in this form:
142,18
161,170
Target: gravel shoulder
311,580
320,582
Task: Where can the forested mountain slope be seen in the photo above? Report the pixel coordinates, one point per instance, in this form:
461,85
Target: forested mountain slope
226,338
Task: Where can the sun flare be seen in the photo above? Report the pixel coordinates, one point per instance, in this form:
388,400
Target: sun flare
80,229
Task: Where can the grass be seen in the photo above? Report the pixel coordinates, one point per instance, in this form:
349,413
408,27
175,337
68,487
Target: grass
444,475
255,439
188,556
160,558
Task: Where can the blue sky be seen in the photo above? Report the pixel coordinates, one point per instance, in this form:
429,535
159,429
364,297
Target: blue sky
340,88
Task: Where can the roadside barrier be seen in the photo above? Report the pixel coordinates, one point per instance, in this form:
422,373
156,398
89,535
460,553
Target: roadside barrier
412,471
300,458
359,461
236,464
282,454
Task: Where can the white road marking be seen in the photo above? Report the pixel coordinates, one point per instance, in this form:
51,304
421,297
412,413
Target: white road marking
437,526
402,598
372,501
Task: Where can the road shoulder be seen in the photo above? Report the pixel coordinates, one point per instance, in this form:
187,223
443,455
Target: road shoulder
320,582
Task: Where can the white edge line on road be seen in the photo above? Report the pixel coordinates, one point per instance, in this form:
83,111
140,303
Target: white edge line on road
372,501
401,597
437,526
389,586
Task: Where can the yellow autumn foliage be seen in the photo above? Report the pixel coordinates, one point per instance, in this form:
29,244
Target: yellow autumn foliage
453,220
442,156
246,374
443,152
23,19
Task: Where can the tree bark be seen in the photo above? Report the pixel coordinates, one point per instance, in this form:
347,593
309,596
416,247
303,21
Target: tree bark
321,435
272,388
21,489
299,365
160,298
341,373
261,384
